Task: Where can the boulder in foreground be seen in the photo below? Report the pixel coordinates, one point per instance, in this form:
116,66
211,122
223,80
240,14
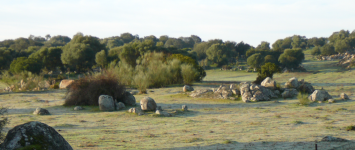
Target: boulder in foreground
34,135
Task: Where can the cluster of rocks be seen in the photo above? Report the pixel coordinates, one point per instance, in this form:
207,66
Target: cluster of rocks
148,104
345,56
38,85
266,91
253,92
347,60
223,92
25,85
107,103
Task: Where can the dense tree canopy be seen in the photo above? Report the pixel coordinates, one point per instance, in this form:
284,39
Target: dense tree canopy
50,57
21,64
79,53
255,60
291,58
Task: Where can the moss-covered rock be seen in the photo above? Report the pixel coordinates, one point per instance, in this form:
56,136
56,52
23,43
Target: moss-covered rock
34,135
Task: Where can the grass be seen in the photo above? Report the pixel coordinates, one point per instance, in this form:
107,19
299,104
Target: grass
297,122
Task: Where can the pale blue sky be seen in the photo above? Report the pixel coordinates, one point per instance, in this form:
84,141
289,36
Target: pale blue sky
250,21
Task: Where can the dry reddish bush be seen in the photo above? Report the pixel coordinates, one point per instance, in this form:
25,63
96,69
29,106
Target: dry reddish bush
86,91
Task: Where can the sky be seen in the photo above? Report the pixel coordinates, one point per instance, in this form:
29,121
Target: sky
251,21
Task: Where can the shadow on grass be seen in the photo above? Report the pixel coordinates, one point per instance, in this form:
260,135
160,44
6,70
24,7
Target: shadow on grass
263,145
36,92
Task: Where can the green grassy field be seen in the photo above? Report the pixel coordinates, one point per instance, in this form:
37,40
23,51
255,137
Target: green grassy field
209,123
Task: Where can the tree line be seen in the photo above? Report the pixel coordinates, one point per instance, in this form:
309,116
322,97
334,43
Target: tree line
84,52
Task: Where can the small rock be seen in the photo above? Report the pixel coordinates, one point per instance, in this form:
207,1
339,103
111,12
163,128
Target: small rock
331,101
187,88
78,108
148,103
184,107
41,111
344,96
120,106
163,113
159,108
158,112
136,110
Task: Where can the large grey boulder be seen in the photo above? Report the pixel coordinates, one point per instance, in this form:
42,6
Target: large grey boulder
148,104
245,92
34,135
187,88
106,103
129,99
319,95
269,83
292,83
163,113
41,111
344,96
200,93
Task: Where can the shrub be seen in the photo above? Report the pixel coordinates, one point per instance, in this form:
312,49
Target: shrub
188,60
297,122
54,86
142,81
21,64
188,73
87,90
303,99
349,128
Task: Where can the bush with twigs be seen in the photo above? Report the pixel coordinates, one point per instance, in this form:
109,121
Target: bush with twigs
86,91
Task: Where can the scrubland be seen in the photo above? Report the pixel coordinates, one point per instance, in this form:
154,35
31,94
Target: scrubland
209,123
